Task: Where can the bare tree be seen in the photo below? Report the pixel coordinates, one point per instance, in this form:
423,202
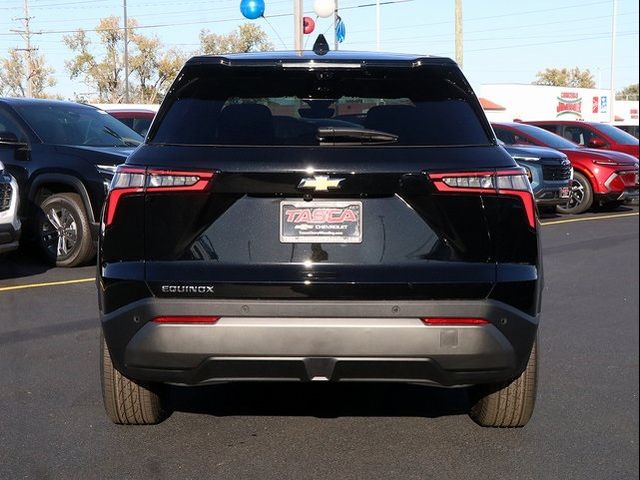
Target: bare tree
14,76
247,38
152,69
564,77
630,92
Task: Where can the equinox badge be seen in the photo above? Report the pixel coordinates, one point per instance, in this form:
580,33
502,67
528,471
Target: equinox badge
321,183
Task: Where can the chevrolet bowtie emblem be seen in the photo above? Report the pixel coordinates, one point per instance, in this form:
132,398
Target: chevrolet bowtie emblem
321,183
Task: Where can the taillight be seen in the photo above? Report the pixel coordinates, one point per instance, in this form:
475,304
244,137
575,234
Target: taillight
511,182
454,321
187,319
126,181
132,180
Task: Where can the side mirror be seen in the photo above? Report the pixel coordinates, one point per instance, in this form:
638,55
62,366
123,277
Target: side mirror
11,139
596,142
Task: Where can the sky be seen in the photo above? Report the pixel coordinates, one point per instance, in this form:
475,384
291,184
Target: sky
505,41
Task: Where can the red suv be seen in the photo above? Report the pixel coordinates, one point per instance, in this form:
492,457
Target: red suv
138,120
592,135
603,177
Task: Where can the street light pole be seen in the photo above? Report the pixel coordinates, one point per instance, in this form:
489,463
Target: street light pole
335,27
298,33
459,34
378,26
126,55
612,101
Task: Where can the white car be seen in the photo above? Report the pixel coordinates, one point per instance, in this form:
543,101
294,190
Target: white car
9,220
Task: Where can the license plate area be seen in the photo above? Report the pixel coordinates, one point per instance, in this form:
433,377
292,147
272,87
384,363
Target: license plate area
565,192
321,222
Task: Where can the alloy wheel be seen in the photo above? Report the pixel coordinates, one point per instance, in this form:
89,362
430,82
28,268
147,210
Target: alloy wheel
577,194
60,232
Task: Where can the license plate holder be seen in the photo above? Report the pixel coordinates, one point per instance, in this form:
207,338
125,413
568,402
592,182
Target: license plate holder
321,222
565,192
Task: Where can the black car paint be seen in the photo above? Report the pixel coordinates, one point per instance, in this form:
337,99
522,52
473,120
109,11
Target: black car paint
54,166
487,251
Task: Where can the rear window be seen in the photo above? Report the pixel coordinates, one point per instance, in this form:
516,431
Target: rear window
620,137
68,124
211,105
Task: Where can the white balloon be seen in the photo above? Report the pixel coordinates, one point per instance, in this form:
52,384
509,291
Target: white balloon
324,8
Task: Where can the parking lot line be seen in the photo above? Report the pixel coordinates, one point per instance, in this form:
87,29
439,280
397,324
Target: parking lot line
47,284
87,280
588,219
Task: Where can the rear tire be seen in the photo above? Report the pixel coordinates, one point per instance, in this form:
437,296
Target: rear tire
63,231
581,198
507,405
126,401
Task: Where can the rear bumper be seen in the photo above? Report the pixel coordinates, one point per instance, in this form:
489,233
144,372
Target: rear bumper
304,341
627,195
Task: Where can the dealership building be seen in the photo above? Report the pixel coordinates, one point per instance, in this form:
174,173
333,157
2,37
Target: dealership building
509,102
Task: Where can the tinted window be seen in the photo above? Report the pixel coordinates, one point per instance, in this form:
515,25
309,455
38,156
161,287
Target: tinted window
9,125
618,135
511,138
545,138
62,124
580,135
141,125
239,106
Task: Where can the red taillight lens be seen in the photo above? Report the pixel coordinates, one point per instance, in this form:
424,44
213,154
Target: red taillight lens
511,182
126,181
131,180
190,319
454,321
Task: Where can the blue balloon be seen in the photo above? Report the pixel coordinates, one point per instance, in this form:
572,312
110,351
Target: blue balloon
341,31
252,9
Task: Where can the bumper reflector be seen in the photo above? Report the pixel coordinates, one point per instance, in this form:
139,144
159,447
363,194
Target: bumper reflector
187,320
454,321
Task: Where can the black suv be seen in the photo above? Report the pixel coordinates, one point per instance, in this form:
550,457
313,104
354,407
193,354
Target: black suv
63,156
344,217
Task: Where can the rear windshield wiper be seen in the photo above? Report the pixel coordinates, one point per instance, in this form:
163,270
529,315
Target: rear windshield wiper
353,136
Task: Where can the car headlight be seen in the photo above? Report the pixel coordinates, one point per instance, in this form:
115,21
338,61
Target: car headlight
607,163
107,170
524,158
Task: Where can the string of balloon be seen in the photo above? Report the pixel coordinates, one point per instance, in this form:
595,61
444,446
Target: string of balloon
255,9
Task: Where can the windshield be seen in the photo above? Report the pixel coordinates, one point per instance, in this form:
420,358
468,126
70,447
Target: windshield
619,136
404,107
545,137
62,124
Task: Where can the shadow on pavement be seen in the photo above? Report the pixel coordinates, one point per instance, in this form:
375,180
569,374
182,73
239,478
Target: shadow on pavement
325,400
22,263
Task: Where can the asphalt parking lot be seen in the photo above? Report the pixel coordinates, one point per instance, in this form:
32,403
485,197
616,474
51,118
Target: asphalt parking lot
585,426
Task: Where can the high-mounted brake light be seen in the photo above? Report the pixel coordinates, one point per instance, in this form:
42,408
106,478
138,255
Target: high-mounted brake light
132,180
188,319
512,182
454,321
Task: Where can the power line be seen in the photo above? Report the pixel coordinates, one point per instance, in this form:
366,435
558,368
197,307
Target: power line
28,50
197,22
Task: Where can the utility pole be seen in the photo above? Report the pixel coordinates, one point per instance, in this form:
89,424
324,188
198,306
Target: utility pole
336,16
126,55
378,26
459,34
612,100
298,33
28,50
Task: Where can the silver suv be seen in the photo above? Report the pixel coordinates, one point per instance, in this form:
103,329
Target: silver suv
9,221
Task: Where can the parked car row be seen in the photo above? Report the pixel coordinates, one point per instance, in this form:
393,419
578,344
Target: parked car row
63,156
601,177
